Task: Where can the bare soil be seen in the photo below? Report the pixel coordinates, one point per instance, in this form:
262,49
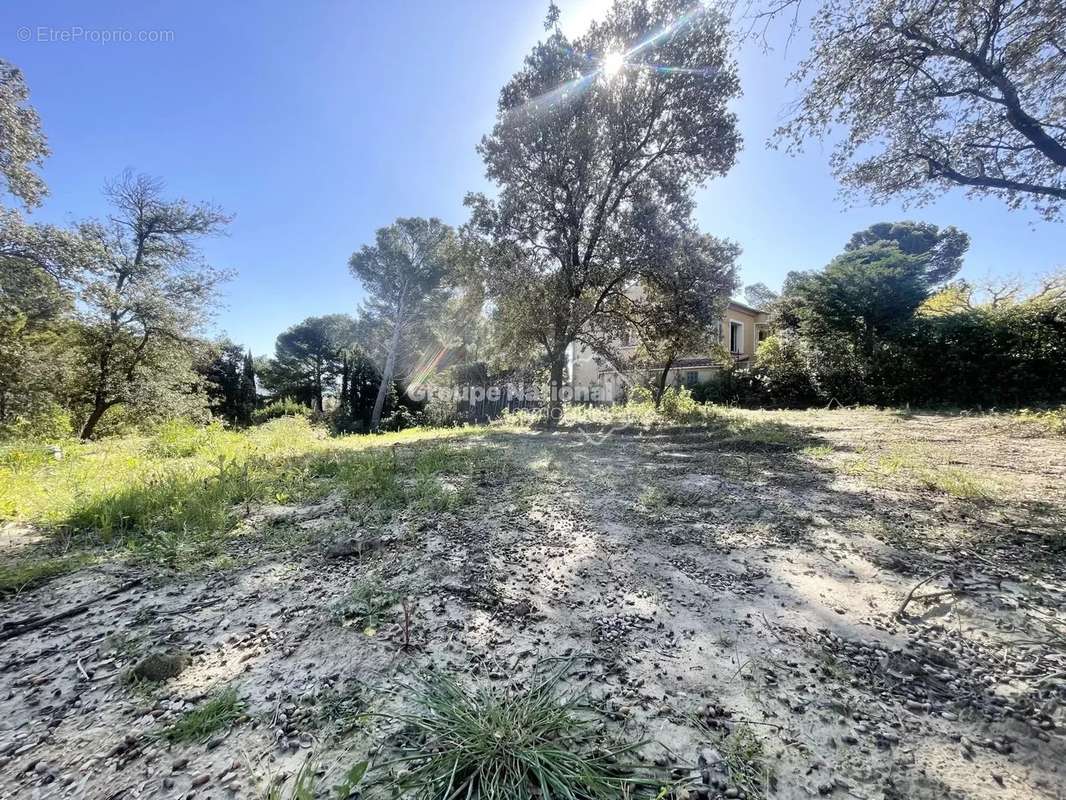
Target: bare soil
703,582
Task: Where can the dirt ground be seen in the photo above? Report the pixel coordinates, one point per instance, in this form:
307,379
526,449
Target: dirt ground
734,592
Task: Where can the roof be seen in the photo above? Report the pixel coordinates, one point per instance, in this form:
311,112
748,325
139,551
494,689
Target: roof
745,306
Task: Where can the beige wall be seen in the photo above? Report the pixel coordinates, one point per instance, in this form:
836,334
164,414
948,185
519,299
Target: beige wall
585,371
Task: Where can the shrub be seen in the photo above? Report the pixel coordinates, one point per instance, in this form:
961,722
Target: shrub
640,396
678,404
286,407
49,424
402,418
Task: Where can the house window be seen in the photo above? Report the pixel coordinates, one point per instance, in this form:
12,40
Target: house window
736,337
763,333
692,377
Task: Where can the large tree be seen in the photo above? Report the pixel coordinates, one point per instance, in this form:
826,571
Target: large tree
309,357
147,295
596,138
677,309
22,144
228,370
934,94
868,294
942,249
404,274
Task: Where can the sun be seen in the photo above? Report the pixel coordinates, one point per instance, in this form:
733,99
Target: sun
612,64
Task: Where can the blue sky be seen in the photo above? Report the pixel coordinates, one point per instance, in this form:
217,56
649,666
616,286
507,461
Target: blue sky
316,123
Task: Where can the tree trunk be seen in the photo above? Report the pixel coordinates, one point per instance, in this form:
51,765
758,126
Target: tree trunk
555,403
662,381
386,375
99,407
346,367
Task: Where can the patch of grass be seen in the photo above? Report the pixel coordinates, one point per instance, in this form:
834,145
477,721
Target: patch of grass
493,743
1049,420
201,722
18,575
818,451
366,606
173,496
912,465
958,483
307,786
746,764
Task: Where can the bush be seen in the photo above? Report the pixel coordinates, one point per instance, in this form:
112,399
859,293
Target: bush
286,407
402,418
49,424
640,396
678,404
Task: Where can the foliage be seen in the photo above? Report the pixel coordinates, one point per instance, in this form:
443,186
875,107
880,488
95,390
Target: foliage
595,168
285,407
640,396
305,785
146,294
678,309
360,389
868,295
365,606
942,249
17,576
935,95
172,497
403,274
229,374
22,145
45,421
309,358
677,404
198,724
508,744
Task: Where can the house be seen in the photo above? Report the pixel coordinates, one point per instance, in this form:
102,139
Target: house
740,330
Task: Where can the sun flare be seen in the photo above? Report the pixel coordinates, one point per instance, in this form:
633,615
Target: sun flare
613,63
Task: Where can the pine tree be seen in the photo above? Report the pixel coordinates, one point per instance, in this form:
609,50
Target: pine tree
248,395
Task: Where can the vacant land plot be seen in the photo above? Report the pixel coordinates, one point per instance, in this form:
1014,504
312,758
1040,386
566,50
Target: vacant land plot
850,604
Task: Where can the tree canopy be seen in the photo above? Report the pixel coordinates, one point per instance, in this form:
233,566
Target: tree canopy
403,274
598,144
22,143
934,94
146,295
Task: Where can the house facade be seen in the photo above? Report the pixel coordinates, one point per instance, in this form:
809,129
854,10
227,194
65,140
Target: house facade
740,330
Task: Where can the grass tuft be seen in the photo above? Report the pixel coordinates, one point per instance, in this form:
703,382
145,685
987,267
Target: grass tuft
491,743
201,722
746,764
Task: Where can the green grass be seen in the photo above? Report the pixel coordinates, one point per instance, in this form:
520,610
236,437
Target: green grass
492,743
912,465
199,724
366,606
171,497
746,764
18,575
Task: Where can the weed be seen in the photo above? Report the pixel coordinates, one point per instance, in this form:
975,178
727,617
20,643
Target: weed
818,451
342,709
305,785
508,744
200,723
746,765
366,606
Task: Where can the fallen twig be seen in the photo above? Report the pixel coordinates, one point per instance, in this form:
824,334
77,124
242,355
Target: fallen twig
9,630
916,587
